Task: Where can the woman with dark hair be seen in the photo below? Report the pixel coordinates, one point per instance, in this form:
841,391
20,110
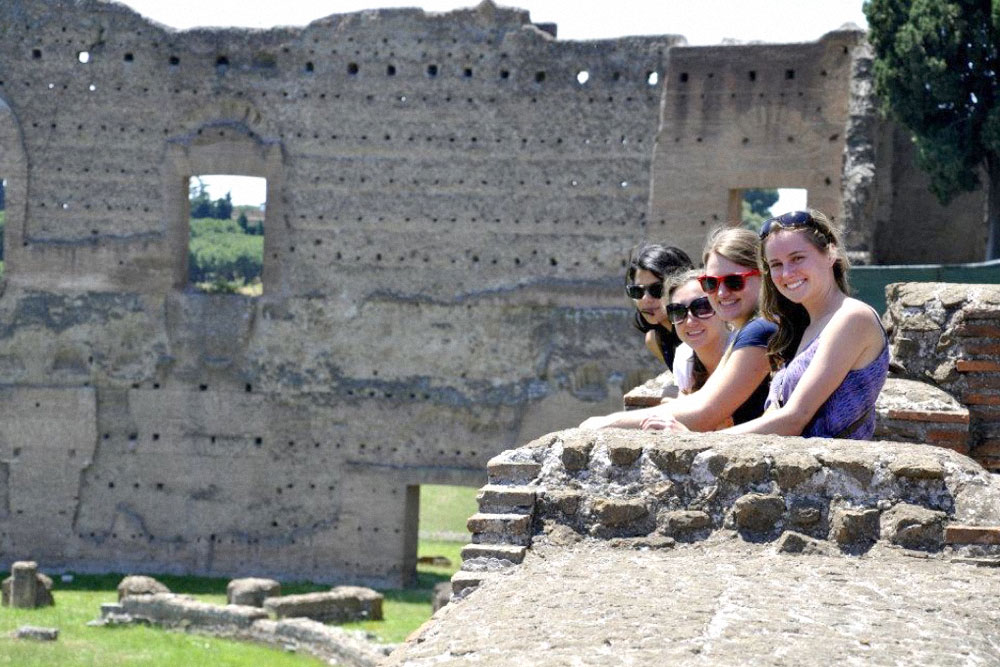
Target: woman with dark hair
830,349
738,387
648,266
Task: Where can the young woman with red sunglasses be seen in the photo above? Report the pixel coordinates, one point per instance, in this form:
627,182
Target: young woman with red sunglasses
831,349
690,311
737,389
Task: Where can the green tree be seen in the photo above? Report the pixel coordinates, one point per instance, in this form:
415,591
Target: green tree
201,203
936,68
760,200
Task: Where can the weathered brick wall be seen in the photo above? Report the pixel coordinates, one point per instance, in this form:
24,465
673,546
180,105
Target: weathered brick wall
448,209
949,335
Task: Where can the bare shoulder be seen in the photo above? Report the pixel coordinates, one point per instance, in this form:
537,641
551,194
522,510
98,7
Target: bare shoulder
858,316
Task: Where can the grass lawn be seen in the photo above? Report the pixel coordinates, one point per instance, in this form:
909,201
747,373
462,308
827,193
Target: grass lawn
443,511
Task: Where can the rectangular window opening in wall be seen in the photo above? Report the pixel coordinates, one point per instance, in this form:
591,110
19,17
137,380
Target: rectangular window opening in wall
226,243
752,206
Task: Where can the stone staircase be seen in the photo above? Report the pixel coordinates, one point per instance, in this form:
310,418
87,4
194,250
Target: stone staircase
501,530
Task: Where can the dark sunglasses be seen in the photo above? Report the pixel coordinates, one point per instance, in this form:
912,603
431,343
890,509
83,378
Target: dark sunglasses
734,282
700,308
636,291
785,220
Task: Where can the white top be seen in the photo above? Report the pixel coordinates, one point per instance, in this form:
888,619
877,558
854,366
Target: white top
684,367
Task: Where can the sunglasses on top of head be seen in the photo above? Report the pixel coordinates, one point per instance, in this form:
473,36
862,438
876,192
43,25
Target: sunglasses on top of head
700,308
655,290
789,220
734,282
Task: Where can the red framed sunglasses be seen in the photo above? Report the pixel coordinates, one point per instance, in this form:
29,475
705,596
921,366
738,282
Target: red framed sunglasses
734,282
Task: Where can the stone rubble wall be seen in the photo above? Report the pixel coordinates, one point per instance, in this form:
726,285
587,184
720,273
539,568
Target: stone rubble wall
652,490
949,336
247,623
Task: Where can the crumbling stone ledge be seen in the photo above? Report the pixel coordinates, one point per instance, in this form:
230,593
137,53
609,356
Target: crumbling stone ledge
650,490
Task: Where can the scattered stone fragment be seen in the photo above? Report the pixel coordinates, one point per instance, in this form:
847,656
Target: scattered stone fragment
26,588
139,585
251,591
37,633
791,542
340,604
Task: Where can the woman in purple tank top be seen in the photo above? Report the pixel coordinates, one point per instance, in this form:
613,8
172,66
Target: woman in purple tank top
830,349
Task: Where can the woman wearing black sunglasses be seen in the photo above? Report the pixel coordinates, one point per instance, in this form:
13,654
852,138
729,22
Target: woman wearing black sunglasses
648,266
690,311
831,349
738,388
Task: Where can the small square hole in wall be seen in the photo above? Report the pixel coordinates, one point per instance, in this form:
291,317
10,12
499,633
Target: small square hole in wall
226,239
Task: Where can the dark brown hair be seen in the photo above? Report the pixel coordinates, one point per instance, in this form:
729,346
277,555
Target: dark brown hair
792,318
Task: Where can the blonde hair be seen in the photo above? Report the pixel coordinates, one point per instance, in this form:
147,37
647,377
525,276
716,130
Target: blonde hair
736,244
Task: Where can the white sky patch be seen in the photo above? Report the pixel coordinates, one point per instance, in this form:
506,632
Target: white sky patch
704,22
246,190
789,199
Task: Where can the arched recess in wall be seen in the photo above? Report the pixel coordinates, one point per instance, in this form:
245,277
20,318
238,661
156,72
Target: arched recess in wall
13,170
223,147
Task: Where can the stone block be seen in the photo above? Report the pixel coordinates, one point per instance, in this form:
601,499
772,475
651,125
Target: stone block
563,502
172,610
338,605
913,527
743,471
37,633
624,454
494,498
505,526
683,521
576,455
26,588
251,591
854,527
137,584
758,512
791,469
509,552
917,467
614,513
441,595
674,460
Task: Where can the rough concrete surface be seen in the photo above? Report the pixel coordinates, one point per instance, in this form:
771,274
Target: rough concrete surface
719,602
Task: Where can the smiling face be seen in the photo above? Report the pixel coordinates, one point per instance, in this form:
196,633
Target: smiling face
651,309
697,333
800,271
735,307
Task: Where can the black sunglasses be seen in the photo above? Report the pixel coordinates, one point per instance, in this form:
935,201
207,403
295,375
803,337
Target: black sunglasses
655,290
734,282
791,219
700,308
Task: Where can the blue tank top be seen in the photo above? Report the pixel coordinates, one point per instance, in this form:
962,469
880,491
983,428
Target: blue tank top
853,401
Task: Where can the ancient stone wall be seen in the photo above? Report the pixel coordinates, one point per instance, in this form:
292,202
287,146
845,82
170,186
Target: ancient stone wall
803,115
448,207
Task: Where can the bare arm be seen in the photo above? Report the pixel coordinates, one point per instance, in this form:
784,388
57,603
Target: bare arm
851,340
724,391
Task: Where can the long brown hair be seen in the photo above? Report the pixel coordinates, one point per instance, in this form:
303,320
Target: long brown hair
792,318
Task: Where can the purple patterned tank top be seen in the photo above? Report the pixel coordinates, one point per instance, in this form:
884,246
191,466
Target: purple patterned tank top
852,400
